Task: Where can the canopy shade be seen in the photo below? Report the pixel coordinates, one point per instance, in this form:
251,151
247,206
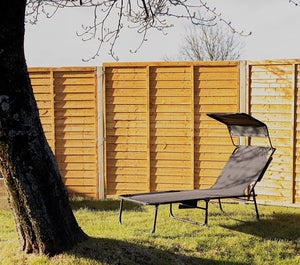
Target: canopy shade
241,124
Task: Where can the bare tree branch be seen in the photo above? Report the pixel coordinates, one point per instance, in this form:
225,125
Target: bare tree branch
138,15
294,2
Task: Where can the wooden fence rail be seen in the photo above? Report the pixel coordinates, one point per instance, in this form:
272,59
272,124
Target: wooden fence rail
140,127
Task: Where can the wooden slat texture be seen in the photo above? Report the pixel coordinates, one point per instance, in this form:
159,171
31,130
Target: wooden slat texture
216,90
42,85
158,136
179,142
126,130
76,130
271,100
67,105
173,137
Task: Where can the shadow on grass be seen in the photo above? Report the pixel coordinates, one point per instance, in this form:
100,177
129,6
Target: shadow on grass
278,226
103,205
111,251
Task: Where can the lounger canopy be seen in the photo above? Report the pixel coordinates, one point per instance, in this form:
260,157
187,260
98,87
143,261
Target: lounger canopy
245,167
242,124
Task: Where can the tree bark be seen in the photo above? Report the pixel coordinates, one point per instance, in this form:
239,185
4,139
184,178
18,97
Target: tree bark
39,201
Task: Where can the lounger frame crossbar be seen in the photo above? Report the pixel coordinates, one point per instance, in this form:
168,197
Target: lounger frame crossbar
246,198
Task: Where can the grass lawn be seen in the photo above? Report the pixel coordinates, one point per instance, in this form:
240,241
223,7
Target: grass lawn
235,238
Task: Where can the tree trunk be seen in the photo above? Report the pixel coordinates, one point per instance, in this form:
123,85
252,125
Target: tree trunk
38,198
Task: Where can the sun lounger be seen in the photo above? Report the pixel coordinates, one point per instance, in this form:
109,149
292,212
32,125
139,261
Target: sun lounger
245,167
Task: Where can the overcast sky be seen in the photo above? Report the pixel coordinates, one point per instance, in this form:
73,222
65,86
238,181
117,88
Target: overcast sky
275,27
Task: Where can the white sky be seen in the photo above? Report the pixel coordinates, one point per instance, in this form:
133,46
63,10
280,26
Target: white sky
275,27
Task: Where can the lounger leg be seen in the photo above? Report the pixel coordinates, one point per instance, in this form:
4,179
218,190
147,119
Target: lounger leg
220,205
155,217
120,213
206,213
256,209
171,212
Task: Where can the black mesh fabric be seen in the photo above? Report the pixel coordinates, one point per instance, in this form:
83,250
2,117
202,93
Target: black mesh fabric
244,167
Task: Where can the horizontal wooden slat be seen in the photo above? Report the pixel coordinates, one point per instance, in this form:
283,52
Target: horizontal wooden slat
81,174
74,96
81,189
170,186
84,128
73,81
61,120
138,155
126,163
158,179
75,143
63,113
74,74
75,159
75,88
78,166
76,104
110,108
82,183
75,151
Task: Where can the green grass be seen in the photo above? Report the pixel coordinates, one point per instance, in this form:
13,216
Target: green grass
235,238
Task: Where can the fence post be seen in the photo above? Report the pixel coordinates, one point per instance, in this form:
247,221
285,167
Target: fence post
193,126
243,93
294,131
100,136
53,118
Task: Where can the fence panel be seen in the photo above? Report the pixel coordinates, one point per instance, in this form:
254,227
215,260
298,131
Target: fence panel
76,130
216,90
171,127
272,101
66,98
126,130
157,134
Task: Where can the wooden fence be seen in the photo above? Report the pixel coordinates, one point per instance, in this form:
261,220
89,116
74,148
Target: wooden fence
140,127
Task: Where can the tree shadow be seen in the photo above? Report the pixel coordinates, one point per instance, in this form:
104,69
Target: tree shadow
278,226
111,251
104,205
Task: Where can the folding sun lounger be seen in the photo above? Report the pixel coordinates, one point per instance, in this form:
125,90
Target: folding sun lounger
245,167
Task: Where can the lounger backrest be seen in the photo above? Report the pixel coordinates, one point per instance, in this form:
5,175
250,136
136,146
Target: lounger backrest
245,166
